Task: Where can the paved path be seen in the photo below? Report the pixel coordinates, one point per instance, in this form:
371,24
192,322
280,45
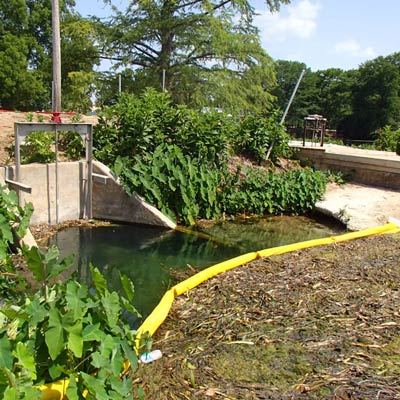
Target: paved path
360,206
338,149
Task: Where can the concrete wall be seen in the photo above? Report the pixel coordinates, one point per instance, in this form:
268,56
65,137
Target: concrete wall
109,200
42,180
366,169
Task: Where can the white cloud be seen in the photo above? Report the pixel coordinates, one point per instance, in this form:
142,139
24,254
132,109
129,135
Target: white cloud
353,48
300,21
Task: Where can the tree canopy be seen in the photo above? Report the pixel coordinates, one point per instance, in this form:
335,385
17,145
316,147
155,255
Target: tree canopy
209,51
25,54
356,102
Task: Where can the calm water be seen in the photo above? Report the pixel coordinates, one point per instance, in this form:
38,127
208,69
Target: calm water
148,254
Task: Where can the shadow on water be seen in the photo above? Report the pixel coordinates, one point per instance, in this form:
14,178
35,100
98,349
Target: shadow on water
147,254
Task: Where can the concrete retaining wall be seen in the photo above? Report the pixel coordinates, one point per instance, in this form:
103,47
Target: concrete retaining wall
367,169
109,200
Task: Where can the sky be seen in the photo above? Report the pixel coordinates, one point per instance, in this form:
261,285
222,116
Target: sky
320,33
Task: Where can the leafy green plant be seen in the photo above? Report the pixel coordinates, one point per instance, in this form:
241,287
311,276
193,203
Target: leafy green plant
387,139
77,117
38,148
178,185
181,187
135,125
265,192
206,136
29,116
63,330
13,219
132,126
67,331
256,135
335,177
71,143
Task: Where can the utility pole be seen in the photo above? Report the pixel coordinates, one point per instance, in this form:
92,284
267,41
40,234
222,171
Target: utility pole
55,8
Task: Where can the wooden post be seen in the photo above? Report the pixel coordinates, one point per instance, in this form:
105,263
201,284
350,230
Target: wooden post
56,60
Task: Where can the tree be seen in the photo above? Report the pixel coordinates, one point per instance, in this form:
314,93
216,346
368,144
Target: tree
207,49
25,53
304,103
376,97
335,95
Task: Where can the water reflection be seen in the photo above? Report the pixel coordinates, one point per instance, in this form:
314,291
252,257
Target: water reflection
147,254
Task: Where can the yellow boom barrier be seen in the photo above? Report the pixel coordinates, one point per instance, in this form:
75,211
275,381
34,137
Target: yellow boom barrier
57,390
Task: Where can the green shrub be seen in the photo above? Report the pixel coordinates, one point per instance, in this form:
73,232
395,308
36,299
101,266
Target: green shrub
178,185
136,125
71,143
265,192
206,136
38,147
63,330
186,190
387,139
132,126
256,135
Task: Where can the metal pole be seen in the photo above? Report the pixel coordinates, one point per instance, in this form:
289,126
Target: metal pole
163,80
89,168
303,71
57,183
287,109
56,60
119,84
17,158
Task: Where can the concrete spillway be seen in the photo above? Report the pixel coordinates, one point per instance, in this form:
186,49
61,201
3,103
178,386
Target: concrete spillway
37,184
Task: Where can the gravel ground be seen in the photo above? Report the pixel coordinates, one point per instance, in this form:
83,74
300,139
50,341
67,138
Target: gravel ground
320,323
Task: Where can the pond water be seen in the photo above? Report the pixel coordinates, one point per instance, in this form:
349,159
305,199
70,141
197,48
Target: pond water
147,255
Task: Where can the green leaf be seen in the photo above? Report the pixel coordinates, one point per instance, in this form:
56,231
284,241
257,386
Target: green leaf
128,286
53,266
54,335
130,354
6,355
117,361
25,221
95,387
3,250
10,394
35,260
75,339
5,230
98,279
112,307
26,359
73,392
58,267
55,371
74,295
92,332
129,307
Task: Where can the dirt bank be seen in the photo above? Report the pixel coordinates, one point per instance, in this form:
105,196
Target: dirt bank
320,323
